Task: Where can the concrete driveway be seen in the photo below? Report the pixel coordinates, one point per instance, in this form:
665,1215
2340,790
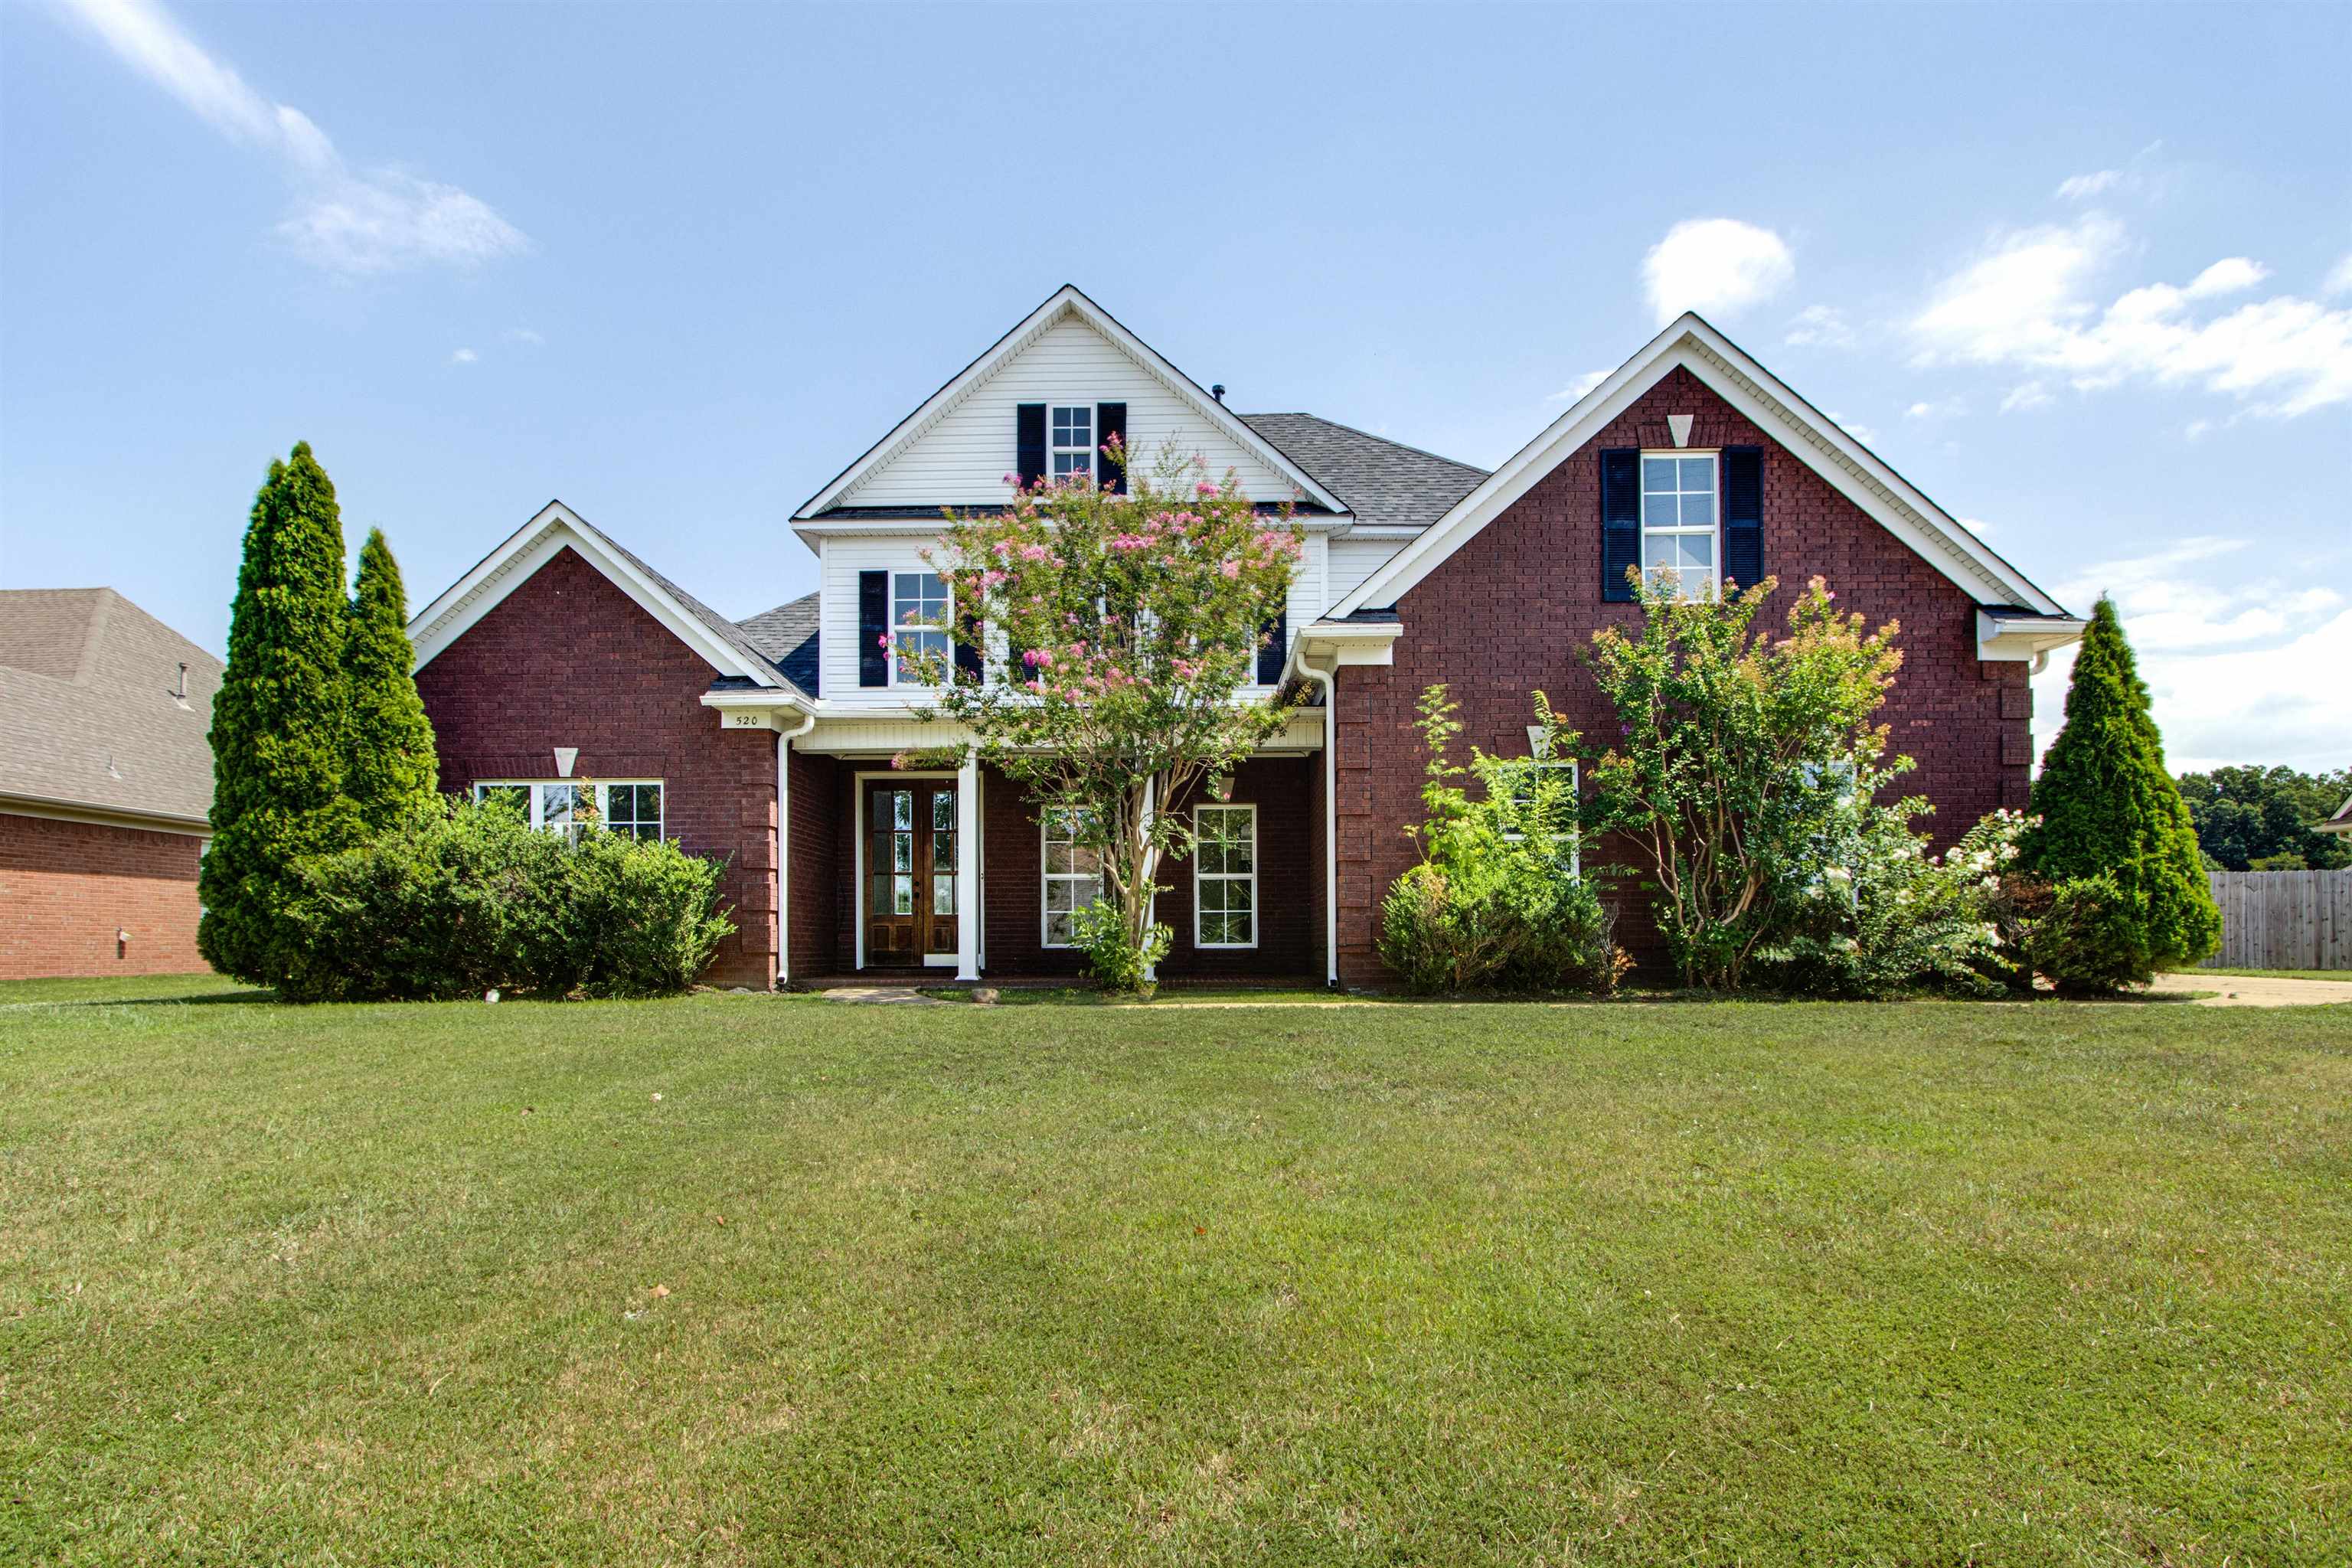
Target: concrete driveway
2252,991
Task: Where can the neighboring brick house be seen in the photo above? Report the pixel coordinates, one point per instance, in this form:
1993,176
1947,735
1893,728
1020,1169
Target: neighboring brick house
106,782
562,663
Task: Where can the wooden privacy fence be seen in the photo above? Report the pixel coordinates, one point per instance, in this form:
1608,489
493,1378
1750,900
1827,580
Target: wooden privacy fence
2283,920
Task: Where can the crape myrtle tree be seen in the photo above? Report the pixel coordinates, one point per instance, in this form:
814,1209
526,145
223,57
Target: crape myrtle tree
278,732
2107,806
1114,631
1738,758
390,768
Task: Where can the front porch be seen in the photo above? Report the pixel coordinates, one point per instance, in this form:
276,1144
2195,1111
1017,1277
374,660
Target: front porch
928,876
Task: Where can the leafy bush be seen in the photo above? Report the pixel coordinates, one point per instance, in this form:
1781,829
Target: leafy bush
1498,899
1119,963
2093,941
461,898
1875,915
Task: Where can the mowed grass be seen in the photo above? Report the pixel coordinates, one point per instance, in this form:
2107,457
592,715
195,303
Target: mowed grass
1682,1284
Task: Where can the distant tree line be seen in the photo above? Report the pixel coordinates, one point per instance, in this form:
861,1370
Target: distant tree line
2264,819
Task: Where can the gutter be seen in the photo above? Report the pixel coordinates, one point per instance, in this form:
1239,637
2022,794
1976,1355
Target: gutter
784,739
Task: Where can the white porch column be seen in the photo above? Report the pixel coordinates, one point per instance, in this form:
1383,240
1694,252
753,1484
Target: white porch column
968,866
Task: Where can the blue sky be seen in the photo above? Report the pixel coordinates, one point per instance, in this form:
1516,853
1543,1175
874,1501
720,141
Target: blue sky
2083,274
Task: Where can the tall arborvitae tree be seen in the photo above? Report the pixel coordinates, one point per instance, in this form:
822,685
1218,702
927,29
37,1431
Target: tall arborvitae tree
279,723
389,767
2107,804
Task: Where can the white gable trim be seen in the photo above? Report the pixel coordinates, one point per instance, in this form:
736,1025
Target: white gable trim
555,529
1690,343
1065,302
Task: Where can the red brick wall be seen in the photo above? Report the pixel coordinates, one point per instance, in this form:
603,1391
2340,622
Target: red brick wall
568,659
819,845
1289,883
67,888
1507,613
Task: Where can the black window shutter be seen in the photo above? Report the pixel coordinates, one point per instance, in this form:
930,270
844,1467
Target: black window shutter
1275,649
1743,515
969,658
873,628
1620,522
1111,419
1029,443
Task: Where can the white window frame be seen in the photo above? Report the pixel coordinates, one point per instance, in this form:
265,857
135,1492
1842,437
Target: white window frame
947,619
535,800
1047,877
1250,876
1536,754
1054,447
1685,586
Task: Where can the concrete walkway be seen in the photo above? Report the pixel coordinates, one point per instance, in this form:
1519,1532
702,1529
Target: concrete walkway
2256,991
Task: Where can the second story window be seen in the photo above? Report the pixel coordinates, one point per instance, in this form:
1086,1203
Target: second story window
919,625
1073,436
1678,521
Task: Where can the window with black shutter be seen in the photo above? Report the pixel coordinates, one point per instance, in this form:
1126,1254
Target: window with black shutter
1275,649
1029,443
873,628
1743,515
1620,522
1111,421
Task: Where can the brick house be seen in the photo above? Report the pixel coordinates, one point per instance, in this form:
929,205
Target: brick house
562,663
106,782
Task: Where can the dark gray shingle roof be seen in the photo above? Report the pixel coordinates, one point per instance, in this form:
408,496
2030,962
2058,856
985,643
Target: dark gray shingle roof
787,636
89,714
1385,483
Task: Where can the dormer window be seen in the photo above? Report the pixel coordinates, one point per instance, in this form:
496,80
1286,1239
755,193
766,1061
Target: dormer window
1073,451
919,625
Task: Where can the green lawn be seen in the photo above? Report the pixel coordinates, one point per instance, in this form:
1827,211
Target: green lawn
753,1280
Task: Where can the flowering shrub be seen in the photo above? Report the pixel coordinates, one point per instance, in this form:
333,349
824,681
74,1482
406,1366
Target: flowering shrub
1497,899
1741,759
1878,916
1120,627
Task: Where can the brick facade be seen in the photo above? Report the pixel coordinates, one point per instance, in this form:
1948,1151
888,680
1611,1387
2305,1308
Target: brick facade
568,659
66,889
1508,612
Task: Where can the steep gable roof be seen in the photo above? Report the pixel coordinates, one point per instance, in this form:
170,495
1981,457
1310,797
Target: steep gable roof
1064,303
91,715
556,527
1730,371
1385,483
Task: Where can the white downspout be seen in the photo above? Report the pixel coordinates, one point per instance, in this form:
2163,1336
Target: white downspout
1323,678
784,739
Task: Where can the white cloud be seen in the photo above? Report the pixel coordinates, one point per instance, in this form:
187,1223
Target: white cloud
464,356
1579,386
525,336
2027,302
1977,526
2083,187
2025,395
345,221
1948,408
1716,266
2340,279
1862,433
2249,672
1819,325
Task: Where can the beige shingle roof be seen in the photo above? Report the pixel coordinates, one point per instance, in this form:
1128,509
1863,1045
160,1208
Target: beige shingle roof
88,711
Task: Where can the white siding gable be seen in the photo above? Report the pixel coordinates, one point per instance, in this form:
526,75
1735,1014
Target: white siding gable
960,459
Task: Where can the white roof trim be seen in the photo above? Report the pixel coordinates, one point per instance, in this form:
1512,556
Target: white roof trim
1066,300
1816,440
557,528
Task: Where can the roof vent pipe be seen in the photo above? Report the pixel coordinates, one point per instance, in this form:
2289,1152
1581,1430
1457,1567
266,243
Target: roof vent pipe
181,691
1218,391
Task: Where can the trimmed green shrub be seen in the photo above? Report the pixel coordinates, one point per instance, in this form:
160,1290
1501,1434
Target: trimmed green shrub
2093,939
2108,808
278,726
1497,900
460,898
389,767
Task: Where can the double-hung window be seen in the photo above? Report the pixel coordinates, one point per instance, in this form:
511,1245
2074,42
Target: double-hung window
918,627
1071,439
1225,876
633,809
1550,812
1073,873
1678,521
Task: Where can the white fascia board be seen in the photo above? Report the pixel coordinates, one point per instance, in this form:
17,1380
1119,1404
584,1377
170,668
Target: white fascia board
1728,369
761,709
1066,300
1344,643
2001,637
56,809
554,528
